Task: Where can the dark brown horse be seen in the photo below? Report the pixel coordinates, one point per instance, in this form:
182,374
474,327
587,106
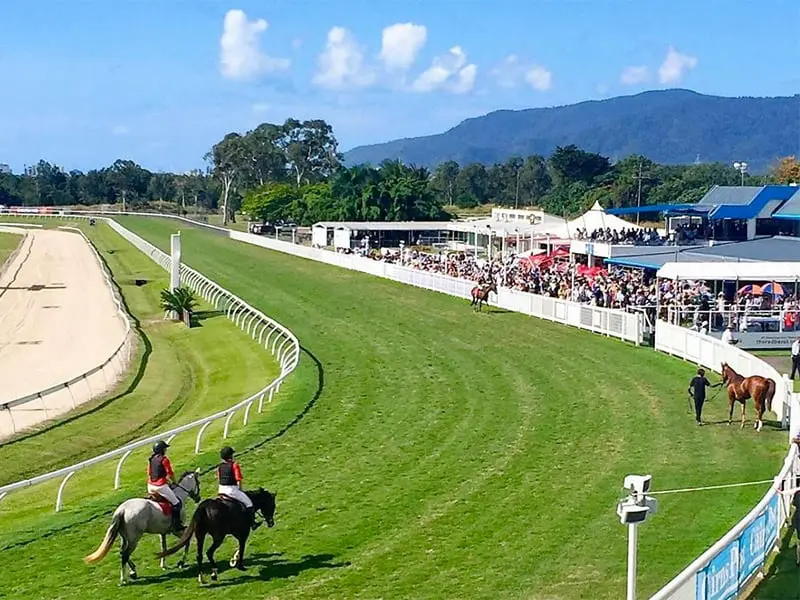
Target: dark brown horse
760,389
480,294
219,517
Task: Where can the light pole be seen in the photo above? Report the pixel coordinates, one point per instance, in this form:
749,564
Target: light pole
633,510
742,168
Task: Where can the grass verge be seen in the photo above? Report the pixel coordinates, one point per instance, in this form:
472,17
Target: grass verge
8,241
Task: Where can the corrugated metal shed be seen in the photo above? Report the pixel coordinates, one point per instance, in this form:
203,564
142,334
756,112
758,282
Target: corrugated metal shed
791,209
778,249
730,195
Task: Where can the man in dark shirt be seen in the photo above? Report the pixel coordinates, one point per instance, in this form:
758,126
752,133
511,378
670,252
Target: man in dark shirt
697,389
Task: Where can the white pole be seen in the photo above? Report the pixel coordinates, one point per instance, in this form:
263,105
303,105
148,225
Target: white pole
175,271
632,539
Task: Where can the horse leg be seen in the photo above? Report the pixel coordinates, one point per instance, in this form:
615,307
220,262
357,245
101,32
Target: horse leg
210,554
132,567
743,407
240,553
163,562
182,562
200,536
730,412
123,558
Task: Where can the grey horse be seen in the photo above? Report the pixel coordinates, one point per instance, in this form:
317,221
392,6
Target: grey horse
138,516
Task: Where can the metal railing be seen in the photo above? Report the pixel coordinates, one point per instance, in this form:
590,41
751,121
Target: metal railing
116,363
728,566
281,342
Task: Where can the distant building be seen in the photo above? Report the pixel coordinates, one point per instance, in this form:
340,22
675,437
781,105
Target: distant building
5,169
31,170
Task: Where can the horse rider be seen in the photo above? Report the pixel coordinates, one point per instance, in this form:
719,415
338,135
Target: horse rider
159,475
229,475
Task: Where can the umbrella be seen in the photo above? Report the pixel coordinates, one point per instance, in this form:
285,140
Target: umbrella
750,289
773,289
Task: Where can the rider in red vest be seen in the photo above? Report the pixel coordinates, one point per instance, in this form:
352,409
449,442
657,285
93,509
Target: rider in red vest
229,475
159,475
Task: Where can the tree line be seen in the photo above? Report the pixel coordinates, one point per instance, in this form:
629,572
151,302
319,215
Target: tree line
294,172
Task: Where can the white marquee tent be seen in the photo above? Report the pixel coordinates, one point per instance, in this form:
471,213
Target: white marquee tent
719,271
597,218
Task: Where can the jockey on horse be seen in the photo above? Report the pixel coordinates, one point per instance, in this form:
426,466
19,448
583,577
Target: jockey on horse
159,475
480,294
229,475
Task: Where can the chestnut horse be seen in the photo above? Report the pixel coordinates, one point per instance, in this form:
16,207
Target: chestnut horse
760,389
480,294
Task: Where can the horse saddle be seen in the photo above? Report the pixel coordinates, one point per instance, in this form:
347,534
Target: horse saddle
230,501
162,503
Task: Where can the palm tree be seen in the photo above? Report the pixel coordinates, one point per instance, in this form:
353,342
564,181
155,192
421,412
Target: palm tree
180,302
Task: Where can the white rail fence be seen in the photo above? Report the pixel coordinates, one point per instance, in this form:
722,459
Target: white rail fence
730,564
95,381
281,342
727,568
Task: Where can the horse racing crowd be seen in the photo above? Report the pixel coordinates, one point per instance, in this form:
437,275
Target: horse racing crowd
616,288
690,303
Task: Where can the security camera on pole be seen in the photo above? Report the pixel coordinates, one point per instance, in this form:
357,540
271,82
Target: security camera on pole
633,510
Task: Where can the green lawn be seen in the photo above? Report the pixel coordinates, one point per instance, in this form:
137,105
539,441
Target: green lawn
177,375
8,241
424,451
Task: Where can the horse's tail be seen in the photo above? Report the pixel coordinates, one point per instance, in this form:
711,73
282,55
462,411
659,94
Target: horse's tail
187,534
117,521
770,394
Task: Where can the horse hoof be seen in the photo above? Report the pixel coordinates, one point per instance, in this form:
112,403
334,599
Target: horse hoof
241,567
134,576
213,576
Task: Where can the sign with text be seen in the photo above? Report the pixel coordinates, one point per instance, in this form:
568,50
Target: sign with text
725,575
754,340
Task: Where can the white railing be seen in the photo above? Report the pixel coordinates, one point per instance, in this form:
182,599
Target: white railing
727,567
106,373
281,342
610,322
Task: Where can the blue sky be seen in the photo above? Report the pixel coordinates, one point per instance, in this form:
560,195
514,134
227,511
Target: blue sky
159,81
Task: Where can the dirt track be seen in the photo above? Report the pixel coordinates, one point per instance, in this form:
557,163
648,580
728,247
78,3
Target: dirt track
57,320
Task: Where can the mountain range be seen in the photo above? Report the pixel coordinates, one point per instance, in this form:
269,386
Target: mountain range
674,126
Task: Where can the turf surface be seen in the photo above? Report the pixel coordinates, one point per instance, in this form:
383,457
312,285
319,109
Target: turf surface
423,451
8,241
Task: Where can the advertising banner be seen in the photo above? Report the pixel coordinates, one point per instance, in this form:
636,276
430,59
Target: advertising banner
728,571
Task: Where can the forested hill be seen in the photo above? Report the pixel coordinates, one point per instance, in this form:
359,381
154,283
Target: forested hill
668,126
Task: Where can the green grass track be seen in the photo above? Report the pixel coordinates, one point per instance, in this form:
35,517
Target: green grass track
424,451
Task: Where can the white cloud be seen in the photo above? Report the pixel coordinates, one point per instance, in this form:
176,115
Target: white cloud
120,130
296,43
675,66
341,65
634,75
240,53
449,71
260,107
512,70
401,44
539,78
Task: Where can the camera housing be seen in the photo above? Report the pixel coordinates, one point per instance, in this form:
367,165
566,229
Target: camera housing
638,484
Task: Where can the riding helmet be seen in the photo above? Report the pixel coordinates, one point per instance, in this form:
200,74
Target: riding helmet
226,453
160,446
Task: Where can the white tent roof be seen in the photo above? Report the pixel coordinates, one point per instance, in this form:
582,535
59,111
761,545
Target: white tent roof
716,271
597,218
